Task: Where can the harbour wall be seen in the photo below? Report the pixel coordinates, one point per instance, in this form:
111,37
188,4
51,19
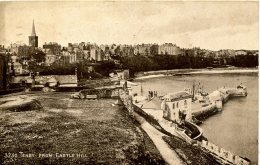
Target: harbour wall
217,99
223,155
206,112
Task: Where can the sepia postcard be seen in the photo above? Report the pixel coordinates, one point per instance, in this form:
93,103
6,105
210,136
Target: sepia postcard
129,82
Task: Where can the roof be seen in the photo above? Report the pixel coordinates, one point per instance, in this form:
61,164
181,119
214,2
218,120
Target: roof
177,96
19,79
62,79
52,80
155,103
67,79
17,64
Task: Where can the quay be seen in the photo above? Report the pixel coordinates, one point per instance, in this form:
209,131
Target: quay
169,111
213,103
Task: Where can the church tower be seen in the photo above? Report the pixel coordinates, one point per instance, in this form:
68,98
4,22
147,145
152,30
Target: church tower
33,39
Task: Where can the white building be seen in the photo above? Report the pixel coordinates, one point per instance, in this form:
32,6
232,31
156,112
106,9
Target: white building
18,69
175,104
72,57
96,54
120,74
240,52
16,64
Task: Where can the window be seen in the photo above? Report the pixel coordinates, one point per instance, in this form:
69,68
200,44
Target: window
173,106
177,104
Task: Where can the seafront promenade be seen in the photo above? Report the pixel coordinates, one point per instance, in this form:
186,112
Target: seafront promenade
180,72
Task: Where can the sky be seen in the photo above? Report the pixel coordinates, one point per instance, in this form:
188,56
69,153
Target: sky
209,25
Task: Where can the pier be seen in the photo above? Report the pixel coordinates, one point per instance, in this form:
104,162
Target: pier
200,109
214,101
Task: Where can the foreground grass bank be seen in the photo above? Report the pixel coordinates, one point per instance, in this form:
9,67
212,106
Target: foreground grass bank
69,131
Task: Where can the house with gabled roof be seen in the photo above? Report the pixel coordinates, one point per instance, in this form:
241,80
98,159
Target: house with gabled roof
177,106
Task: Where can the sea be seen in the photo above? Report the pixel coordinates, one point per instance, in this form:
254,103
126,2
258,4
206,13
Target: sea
236,127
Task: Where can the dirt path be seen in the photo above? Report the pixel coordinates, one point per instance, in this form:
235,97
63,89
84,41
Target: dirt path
167,153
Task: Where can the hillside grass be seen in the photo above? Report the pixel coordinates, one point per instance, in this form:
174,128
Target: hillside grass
74,132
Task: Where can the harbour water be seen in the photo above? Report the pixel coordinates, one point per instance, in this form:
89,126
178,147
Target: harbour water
236,128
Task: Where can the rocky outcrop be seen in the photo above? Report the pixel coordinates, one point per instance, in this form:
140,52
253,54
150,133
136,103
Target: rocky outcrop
19,103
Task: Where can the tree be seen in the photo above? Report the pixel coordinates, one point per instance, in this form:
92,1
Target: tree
105,67
32,66
38,56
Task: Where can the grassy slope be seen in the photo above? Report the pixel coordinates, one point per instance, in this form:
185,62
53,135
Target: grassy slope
190,154
101,133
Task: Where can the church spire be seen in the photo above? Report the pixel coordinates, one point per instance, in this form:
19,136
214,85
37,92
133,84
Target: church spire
33,30
33,39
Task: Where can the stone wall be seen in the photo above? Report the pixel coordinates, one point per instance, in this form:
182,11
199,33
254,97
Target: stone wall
97,83
183,136
224,154
127,100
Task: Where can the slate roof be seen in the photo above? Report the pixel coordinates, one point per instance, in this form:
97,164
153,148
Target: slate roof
177,96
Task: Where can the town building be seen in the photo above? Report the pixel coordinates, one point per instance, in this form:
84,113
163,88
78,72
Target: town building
73,47
177,106
82,46
169,49
96,54
241,52
120,74
86,54
65,58
33,39
17,67
14,48
52,48
143,49
104,47
80,56
72,57
126,50
50,59
225,53
24,53
52,51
